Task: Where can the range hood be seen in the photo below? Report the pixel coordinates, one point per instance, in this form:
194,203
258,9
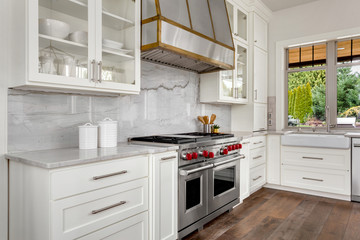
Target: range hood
194,35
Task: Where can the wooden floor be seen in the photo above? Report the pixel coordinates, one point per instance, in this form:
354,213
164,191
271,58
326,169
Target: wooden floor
273,214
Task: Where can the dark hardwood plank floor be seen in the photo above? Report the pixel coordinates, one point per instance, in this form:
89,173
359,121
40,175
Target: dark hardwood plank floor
273,214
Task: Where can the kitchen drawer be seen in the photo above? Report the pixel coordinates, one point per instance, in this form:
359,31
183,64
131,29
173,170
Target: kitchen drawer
257,177
257,157
85,213
65,183
133,228
257,142
324,180
316,157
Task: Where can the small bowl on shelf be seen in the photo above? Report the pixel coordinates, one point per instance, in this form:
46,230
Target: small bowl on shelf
53,28
79,37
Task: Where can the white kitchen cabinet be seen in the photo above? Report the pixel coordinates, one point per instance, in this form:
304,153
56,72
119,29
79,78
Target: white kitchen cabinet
132,228
47,61
245,170
273,149
127,198
229,86
260,32
260,75
238,18
257,178
257,163
164,208
317,169
260,117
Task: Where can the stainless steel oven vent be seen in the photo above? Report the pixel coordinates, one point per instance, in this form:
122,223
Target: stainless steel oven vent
193,35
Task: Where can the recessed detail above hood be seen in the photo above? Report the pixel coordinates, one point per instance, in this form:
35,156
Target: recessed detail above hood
192,35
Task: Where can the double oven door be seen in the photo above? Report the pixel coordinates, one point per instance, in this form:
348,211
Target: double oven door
206,187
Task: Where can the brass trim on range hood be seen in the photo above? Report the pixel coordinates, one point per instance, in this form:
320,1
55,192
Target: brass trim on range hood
182,47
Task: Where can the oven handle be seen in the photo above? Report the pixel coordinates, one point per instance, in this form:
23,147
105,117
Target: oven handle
191,171
229,161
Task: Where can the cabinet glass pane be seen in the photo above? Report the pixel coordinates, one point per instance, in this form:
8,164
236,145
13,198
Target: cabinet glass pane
227,83
63,38
241,24
241,72
230,9
118,41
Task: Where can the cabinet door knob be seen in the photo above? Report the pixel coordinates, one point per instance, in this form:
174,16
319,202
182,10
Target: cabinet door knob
255,41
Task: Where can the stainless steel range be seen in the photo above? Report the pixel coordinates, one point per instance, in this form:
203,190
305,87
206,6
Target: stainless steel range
208,176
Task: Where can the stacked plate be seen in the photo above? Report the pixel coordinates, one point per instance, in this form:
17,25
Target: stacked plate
113,45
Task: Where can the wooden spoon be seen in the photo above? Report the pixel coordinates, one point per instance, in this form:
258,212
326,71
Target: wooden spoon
201,119
206,119
212,119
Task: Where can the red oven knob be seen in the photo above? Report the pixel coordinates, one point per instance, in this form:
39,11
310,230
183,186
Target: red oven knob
240,146
211,155
194,155
233,147
225,151
205,153
188,156
229,148
236,146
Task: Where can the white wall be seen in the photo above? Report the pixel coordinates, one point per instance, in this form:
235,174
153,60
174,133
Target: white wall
319,20
3,122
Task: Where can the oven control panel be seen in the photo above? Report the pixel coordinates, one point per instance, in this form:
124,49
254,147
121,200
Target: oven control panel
205,153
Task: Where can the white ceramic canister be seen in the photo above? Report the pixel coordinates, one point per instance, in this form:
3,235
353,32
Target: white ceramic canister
88,136
107,133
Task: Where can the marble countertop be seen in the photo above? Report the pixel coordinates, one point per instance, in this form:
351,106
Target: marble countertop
65,157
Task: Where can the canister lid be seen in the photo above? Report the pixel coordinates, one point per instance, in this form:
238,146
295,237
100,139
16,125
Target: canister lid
88,125
108,121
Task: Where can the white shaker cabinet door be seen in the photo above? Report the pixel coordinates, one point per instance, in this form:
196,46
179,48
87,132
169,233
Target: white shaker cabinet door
165,196
260,117
260,32
260,75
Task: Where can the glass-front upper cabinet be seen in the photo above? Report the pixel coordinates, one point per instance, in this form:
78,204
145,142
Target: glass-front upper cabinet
76,45
230,86
238,21
241,74
63,43
119,45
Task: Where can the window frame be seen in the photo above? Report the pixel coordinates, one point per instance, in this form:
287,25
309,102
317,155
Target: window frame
331,68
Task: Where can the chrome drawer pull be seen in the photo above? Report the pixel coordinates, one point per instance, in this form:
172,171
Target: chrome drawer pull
313,179
260,156
168,158
109,175
315,158
107,208
356,145
258,142
254,179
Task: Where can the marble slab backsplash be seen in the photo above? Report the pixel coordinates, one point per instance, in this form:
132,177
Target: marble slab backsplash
168,103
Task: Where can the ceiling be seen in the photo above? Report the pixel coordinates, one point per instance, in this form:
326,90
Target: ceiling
276,5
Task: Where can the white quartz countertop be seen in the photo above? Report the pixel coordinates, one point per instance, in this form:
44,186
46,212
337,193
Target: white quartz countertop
65,157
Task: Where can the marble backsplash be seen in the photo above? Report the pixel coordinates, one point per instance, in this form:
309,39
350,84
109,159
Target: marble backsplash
168,103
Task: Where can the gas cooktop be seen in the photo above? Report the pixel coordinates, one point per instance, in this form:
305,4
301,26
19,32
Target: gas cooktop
183,138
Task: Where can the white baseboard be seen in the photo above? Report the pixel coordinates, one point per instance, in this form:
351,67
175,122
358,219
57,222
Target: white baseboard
309,192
